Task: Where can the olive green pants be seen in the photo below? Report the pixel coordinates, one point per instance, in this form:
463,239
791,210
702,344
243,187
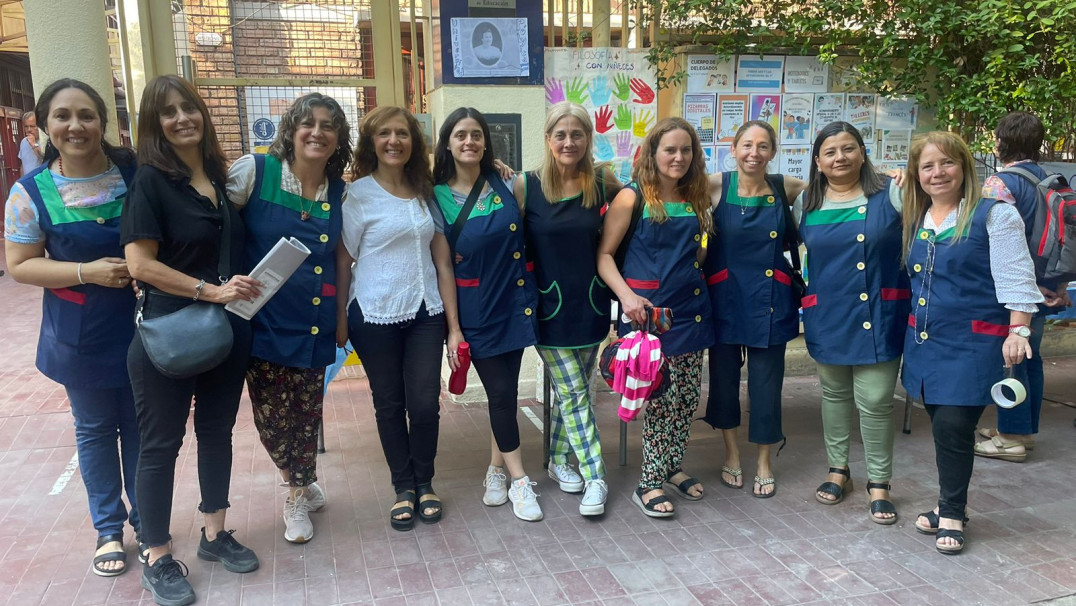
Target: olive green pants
869,388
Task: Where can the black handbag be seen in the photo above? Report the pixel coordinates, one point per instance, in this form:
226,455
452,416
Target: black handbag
196,338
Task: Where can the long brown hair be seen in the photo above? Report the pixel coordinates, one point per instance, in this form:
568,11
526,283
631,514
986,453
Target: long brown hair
693,187
552,188
417,168
153,147
916,200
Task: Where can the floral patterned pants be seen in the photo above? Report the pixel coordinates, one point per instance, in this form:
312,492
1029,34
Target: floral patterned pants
287,412
667,420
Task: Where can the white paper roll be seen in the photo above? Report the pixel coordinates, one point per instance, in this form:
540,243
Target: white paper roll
997,393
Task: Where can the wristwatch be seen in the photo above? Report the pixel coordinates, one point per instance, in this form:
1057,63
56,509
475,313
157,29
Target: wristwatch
1020,330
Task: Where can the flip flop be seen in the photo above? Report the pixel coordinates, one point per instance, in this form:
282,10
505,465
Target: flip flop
734,472
764,482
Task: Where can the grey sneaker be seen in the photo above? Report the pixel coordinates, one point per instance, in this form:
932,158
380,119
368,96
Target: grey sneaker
568,478
594,497
524,501
496,484
298,527
315,497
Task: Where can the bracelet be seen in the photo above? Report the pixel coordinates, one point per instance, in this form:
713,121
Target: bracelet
198,289
78,271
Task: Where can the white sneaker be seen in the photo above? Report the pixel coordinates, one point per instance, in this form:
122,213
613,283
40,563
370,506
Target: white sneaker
524,501
496,484
594,497
298,528
315,497
568,478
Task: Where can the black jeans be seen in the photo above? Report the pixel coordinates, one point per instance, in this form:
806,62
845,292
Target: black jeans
162,406
765,375
954,443
500,378
403,364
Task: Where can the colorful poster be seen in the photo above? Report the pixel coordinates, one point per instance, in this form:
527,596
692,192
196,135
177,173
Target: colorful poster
806,75
896,113
725,161
759,74
699,111
795,161
711,159
859,112
767,107
731,114
709,74
485,48
618,88
895,145
827,108
796,112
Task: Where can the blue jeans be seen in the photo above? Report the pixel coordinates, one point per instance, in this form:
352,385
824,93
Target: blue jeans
102,416
1024,419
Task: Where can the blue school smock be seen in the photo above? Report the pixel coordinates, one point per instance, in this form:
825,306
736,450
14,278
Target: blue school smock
952,345
495,290
857,302
562,242
297,327
661,264
749,278
87,328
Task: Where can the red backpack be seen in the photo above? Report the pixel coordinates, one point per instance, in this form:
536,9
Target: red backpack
1053,232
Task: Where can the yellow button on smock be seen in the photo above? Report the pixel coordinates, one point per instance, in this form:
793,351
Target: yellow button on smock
697,291
520,282
313,330
922,301
325,206
862,210
324,238
863,296
528,311
923,335
317,269
516,255
866,326
769,273
100,220
917,267
496,199
698,237
860,238
861,266
773,235
698,319
769,199
512,227
316,301
696,264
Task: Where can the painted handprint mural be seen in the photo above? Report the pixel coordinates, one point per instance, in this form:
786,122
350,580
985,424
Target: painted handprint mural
619,90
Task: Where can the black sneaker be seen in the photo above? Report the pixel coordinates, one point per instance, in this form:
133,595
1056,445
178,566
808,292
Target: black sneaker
229,552
166,580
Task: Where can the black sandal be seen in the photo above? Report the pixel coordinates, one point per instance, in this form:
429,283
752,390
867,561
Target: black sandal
113,555
881,505
649,506
428,499
948,533
932,519
837,491
685,486
404,496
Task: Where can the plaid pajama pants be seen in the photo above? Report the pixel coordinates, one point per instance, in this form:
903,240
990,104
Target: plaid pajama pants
572,427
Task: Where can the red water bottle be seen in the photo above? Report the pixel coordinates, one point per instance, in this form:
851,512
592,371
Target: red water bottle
458,381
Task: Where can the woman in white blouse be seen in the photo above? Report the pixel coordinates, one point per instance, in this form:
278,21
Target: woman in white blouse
401,299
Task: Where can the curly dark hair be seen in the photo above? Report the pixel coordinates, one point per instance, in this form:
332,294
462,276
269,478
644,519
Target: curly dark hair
417,168
283,147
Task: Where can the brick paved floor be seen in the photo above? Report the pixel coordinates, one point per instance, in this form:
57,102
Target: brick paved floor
726,549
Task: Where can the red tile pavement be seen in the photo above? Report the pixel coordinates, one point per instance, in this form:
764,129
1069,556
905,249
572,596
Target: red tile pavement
726,549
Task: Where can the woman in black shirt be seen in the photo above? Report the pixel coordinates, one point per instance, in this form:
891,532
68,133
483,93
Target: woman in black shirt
172,231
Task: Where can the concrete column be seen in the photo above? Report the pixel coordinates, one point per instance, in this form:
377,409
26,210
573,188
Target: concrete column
67,39
600,23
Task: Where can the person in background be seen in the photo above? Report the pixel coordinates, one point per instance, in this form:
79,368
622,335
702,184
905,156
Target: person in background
30,154
295,191
62,231
1019,143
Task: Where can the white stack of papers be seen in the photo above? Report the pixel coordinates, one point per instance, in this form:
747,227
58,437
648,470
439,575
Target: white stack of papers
272,271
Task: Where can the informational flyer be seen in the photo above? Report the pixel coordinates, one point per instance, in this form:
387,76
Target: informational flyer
806,75
895,145
759,74
896,113
859,112
828,107
709,74
795,161
484,48
699,111
731,115
618,88
725,161
796,112
711,159
767,108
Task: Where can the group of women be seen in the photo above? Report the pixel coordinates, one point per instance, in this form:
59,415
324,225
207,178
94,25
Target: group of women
405,261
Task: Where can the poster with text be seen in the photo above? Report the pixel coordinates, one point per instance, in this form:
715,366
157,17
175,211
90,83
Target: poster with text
487,48
859,112
795,161
731,115
759,74
806,75
895,145
711,159
618,88
828,107
896,113
709,74
699,111
766,107
796,112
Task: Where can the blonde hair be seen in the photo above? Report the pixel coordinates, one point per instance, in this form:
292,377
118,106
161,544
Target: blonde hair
552,187
693,187
916,200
